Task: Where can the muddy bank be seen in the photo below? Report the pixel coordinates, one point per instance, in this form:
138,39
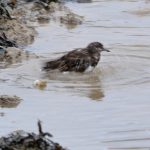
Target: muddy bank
18,20
17,31
18,23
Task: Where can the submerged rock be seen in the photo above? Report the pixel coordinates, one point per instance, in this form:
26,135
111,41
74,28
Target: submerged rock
13,55
21,140
9,101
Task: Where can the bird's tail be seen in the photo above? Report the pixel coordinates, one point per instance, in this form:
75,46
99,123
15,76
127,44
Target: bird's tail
51,65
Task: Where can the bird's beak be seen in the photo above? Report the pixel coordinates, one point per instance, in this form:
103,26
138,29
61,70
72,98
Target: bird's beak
104,49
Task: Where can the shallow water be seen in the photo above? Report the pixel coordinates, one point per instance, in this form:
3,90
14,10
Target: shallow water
105,109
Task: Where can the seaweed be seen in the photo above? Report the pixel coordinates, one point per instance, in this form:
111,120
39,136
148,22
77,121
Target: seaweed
21,140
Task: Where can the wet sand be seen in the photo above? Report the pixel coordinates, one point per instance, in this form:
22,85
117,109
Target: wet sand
105,109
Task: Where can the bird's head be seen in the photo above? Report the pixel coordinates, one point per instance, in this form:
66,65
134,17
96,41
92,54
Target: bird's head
96,46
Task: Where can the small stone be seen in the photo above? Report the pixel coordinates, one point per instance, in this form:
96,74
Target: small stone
40,84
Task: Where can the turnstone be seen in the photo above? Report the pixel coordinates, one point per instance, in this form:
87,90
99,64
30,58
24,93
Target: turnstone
78,60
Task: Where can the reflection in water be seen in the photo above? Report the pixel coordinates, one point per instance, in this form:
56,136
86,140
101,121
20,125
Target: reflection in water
2,114
42,20
9,105
120,141
87,84
69,26
96,94
142,13
84,1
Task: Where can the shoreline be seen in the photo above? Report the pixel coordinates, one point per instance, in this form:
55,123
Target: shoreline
20,29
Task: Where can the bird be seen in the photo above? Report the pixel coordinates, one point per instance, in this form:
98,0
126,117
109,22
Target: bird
77,60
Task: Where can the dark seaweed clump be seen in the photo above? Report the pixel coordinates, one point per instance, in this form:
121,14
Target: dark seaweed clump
21,140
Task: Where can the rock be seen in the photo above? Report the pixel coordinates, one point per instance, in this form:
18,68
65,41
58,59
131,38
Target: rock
16,32
9,101
18,21
21,140
19,31
47,10
5,42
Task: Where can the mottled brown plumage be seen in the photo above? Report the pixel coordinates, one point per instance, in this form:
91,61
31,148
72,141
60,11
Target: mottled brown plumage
78,60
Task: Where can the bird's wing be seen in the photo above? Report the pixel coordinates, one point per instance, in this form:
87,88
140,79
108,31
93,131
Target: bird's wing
75,61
